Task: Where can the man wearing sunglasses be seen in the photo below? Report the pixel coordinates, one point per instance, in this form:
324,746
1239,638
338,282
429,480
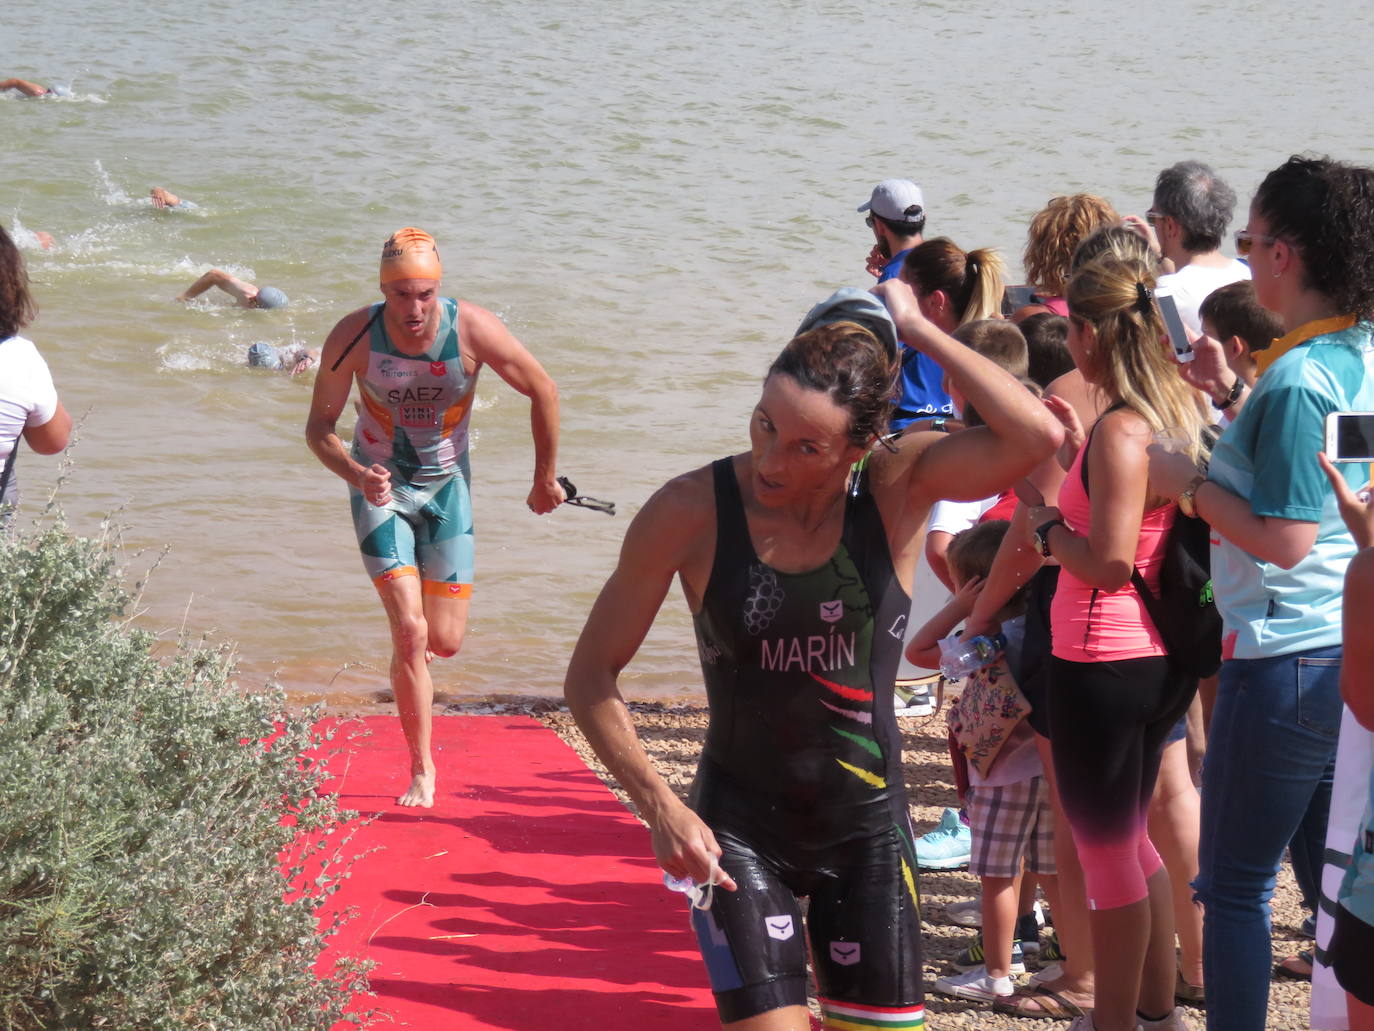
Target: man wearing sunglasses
1191,209
897,216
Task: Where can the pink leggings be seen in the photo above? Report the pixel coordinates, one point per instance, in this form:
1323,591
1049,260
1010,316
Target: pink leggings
1108,725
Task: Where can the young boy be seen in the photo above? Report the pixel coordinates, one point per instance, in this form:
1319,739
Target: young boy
1232,315
1008,802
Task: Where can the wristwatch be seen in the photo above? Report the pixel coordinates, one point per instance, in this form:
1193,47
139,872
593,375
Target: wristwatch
1232,395
1042,535
1187,501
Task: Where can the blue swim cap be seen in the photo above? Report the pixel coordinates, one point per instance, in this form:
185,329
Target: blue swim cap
271,297
852,304
58,90
263,355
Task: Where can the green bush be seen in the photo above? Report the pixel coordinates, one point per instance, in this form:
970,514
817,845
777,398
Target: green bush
161,864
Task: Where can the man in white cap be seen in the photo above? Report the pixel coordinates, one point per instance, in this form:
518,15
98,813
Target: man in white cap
897,216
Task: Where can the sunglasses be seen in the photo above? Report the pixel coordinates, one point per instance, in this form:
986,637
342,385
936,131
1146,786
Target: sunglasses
868,220
1153,217
1246,240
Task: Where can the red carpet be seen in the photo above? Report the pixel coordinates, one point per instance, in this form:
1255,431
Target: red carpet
527,898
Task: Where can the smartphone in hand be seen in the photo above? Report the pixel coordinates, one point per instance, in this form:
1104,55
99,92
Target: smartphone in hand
1173,324
1350,436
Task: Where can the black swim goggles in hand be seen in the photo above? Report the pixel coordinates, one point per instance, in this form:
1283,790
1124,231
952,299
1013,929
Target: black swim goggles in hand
574,498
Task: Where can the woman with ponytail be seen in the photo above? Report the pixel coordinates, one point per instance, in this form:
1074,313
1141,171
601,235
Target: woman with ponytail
1113,696
952,287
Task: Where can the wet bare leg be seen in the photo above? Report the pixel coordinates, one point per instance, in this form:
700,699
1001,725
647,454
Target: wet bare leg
411,683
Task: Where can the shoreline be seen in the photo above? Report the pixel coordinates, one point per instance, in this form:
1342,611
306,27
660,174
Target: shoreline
673,732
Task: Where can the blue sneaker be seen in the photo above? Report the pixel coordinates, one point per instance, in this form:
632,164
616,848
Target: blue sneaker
946,847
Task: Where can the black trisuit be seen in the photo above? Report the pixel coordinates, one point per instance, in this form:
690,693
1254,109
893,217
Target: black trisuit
800,778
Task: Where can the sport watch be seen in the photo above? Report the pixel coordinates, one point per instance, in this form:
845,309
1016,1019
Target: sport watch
1042,535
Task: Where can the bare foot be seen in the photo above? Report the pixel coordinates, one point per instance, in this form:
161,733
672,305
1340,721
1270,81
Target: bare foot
421,793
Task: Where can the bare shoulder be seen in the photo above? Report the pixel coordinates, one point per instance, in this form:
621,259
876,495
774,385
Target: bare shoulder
675,532
1123,428
345,332
480,325
1085,399
683,506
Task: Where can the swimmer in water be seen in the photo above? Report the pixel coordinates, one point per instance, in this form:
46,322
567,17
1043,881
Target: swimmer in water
166,199
29,89
245,294
293,359
416,356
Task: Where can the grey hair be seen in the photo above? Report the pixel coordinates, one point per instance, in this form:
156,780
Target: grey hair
1199,200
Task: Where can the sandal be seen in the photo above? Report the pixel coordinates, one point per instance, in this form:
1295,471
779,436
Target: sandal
1185,991
1044,1003
1295,968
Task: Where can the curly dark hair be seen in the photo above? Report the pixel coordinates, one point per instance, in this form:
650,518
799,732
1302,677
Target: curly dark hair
1325,209
17,309
849,364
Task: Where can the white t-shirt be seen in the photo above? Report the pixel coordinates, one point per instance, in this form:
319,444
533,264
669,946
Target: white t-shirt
955,516
27,394
1192,283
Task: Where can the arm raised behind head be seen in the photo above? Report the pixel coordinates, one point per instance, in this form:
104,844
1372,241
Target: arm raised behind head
985,460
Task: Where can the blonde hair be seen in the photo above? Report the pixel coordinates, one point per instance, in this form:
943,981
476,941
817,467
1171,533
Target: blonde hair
974,280
1055,233
1129,360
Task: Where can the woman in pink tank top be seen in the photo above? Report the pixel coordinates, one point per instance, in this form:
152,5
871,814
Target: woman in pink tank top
1113,696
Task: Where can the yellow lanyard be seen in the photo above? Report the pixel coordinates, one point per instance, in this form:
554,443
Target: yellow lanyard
1304,333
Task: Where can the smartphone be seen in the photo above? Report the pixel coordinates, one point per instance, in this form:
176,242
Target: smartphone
1015,298
1173,324
1350,436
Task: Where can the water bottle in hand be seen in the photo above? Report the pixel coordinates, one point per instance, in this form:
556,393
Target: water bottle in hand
961,656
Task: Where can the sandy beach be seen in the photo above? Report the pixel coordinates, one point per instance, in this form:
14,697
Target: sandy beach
673,735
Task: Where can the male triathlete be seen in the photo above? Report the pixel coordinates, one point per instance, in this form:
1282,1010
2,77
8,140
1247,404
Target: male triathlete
416,356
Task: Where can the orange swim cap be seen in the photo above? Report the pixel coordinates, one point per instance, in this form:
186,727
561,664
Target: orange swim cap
410,253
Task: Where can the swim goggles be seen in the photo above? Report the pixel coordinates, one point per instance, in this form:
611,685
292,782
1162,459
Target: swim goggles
581,500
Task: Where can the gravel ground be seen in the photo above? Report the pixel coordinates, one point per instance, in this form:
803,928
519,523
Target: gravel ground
672,734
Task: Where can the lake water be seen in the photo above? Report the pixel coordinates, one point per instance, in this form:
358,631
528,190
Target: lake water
650,193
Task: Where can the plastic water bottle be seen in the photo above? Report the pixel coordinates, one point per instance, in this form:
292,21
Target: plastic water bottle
960,656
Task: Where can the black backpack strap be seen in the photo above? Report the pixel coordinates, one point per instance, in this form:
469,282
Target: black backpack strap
1137,580
9,468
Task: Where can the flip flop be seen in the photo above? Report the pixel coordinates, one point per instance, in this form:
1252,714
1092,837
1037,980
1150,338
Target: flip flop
1044,1003
1295,968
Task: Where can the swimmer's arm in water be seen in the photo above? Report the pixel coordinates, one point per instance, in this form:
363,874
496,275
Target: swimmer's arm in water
491,343
164,198
985,460
332,387
671,531
243,293
29,89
